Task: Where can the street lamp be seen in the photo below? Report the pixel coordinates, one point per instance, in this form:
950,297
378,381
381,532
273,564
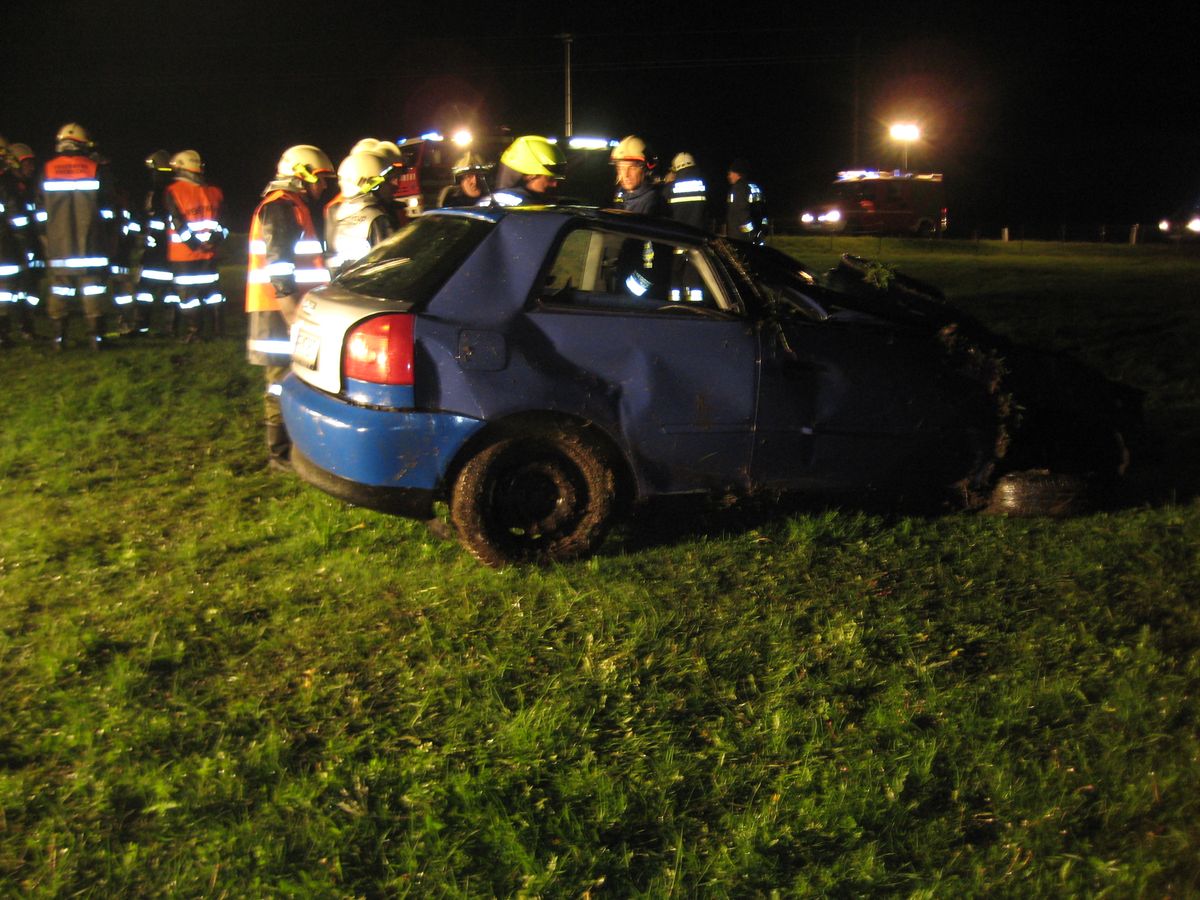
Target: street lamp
905,133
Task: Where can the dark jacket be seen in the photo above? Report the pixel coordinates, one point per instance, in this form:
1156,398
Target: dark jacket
646,199
745,216
687,197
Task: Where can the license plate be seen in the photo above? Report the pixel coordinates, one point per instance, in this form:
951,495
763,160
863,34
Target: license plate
305,349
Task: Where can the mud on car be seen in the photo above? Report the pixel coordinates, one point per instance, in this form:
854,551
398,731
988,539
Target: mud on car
540,370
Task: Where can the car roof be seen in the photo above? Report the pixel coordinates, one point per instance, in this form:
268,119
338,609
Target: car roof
613,218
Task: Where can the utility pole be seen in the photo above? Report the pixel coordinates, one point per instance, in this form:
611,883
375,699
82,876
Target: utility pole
566,39
854,160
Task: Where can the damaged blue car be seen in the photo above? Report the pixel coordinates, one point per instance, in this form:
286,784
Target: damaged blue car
541,370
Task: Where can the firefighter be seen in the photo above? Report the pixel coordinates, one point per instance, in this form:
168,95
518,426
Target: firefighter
529,173
286,260
194,233
745,215
76,196
636,191
155,280
23,218
686,192
11,257
121,281
364,217
470,186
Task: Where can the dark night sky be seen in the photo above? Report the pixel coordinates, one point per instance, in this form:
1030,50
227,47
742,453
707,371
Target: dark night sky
1036,118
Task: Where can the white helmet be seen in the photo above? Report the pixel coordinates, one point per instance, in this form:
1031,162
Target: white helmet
361,173
72,134
187,161
389,151
304,161
365,145
682,161
630,149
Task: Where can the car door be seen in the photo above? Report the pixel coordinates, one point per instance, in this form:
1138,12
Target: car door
848,401
664,342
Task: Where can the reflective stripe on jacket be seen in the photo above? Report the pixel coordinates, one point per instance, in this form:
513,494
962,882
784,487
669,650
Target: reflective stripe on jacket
295,258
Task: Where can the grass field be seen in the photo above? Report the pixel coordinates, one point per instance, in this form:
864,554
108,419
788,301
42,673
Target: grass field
219,683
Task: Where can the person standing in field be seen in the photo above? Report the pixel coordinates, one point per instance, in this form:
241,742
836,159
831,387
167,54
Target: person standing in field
79,232
745,215
194,232
364,216
687,192
287,259
155,277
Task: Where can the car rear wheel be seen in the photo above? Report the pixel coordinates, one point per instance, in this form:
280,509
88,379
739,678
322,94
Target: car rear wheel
541,496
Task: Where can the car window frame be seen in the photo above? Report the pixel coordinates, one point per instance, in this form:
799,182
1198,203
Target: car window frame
729,302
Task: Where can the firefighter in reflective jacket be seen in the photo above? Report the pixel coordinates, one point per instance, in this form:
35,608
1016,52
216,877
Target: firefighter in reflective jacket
11,255
745,216
194,232
155,279
365,216
686,192
286,260
23,218
78,232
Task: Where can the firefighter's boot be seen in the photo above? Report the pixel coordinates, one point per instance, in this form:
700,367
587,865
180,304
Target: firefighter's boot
95,332
60,333
279,448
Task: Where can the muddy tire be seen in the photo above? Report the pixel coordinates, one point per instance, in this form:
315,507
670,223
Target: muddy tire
546,495
1038,492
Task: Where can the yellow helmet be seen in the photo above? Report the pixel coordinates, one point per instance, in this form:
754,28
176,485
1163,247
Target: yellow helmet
304,161
532,154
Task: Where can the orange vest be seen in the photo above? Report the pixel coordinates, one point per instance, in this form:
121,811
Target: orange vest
200,207
307,265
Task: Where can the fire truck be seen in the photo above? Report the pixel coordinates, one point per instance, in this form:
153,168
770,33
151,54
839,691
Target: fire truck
868,201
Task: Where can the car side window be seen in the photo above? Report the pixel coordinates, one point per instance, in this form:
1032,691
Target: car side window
597,269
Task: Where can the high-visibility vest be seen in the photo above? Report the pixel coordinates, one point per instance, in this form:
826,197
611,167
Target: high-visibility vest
76,239
307,265
200,206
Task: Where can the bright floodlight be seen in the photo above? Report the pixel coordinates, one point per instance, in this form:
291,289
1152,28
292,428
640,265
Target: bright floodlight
905,131
462,137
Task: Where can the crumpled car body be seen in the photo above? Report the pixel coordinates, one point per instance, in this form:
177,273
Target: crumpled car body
551,355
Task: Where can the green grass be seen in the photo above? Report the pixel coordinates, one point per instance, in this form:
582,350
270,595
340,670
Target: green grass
215,682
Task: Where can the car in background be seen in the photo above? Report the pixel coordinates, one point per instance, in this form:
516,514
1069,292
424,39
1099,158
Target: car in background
541,369
1184,224
868,201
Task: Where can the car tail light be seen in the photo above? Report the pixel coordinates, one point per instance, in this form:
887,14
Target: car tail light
380,350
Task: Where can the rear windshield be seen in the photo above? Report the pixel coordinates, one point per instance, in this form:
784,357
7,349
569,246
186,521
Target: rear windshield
413,263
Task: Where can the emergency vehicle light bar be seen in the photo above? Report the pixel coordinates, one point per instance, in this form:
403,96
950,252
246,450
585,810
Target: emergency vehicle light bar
875,174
